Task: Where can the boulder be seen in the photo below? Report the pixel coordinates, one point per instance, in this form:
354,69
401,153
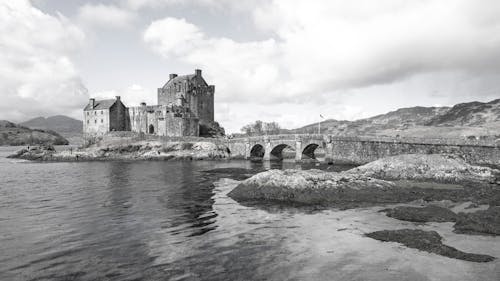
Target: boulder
427,167
314,187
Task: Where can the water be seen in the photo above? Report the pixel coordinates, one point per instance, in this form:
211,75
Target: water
173,221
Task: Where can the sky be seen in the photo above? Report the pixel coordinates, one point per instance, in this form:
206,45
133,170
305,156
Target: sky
270,60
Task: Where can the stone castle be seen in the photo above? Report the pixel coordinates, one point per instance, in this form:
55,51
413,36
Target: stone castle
185,107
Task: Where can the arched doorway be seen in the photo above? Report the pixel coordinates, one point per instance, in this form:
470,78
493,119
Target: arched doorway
151,129
257,152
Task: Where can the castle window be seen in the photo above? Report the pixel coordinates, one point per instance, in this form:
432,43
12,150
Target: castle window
95,121
87,113
102,112
102,121
88,121
95,112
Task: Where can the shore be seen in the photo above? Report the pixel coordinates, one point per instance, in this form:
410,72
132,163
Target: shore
430,189
127,150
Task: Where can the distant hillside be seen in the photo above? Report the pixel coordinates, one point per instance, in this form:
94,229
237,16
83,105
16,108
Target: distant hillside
68,127
461,120
13,134
59,123
469,114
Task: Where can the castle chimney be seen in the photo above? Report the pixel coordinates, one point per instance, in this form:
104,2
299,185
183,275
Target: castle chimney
117,97
143,104
92,103
197,72
172,76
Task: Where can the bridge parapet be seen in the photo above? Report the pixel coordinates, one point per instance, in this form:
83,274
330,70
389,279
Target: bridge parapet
333,138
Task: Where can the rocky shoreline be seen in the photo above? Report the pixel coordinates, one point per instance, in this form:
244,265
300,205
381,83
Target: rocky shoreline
129,151
437,184
427,177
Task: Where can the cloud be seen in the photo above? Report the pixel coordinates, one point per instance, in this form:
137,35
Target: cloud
317,50
37,75
131,96
107,16
241,71
241,5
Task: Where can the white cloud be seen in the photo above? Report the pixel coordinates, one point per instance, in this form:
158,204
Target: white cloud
37,76
319,49
240,5
108,16
132,95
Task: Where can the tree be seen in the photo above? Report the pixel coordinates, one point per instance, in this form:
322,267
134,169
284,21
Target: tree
259,128
213,130
272,128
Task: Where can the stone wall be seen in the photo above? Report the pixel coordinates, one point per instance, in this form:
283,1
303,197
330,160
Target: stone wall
118,117
178,126
96,122
361,150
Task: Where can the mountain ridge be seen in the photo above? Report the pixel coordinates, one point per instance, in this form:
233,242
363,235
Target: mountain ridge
461,120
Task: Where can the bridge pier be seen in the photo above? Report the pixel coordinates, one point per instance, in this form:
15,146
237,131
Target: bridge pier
298,150
247,149
267,150
329,152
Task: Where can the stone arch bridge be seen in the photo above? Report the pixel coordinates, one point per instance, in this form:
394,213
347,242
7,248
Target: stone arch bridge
273,147
359,150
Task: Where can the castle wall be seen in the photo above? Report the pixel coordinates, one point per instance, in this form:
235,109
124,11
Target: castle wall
198,95
177,127
205,107
96,122
183,104
118,117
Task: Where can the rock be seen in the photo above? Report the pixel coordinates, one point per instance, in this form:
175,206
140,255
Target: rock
125,150
314,187
428,241
35,152
485,222
234,173
427,167
429,213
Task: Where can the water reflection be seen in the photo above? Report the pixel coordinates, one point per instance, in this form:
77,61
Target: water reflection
173,221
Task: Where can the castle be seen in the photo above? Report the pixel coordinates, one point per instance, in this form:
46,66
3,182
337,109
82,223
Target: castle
185,107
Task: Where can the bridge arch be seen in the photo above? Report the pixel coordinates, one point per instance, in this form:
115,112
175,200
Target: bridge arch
277,151
257,151
309,151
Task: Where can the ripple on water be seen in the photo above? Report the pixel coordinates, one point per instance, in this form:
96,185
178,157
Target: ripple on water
172,220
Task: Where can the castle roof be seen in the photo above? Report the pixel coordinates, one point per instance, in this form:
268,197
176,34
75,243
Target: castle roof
181,78
101,104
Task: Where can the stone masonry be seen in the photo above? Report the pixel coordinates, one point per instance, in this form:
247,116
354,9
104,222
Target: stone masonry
184,104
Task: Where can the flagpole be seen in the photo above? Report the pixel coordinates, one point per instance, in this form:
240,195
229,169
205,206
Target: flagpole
319,124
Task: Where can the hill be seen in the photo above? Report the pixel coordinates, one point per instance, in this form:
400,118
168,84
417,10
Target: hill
469,114
13,134
461,120
68,127
59,123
